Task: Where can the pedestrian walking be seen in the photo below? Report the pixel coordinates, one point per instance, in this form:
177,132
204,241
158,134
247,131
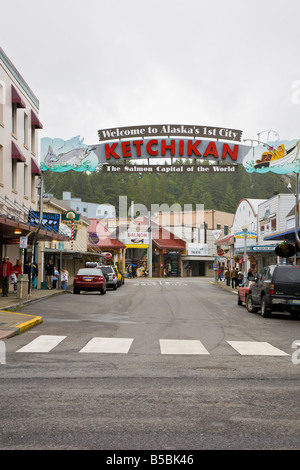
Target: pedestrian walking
234,276
64,279
31,269
55,278
227,277
240,278
18,272
219,273
169,269
49,274
6,269
130,271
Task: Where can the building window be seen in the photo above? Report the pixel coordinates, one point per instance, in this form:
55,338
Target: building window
225,229
1,164
25,180
14,118
14,174
2,102
32,187
33,139
273,224
25,130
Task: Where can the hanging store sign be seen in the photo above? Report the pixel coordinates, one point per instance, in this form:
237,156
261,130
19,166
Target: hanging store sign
72,221
50,221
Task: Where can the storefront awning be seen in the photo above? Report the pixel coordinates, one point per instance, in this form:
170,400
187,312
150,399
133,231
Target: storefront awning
16,98
35,170
16,153
286,235
35,122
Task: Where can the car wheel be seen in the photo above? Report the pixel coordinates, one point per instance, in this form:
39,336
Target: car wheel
115,287
239,300
102,291
264,309
76,291
249,305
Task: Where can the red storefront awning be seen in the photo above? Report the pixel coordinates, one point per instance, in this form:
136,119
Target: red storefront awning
35,122
16,153
35,170
16,98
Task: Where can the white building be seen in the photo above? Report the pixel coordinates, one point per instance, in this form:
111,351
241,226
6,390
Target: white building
19,160
90,209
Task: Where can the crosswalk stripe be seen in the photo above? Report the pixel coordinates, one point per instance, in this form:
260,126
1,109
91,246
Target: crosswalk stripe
108,345
256,348
43,343
177,346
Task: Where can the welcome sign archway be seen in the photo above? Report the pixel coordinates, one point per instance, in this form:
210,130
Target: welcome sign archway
172,142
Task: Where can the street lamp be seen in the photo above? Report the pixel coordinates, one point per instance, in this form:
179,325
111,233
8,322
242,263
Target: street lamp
245,231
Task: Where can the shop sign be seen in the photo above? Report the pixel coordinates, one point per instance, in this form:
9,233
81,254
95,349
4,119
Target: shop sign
136,238
198,249
263,248
93,237
50,221
71,220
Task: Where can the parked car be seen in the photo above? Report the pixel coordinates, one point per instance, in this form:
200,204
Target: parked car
243,291
111,277
120,276
89,279
276,289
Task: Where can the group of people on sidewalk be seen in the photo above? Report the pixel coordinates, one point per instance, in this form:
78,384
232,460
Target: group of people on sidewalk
10,273
232,276
52,276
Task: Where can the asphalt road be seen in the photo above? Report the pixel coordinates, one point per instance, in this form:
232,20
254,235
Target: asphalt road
157,365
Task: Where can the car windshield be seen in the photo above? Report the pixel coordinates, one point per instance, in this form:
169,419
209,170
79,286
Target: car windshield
89,272
106,269
288,274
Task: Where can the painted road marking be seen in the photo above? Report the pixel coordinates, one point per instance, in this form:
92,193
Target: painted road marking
179,346
42,344
256,348
108,345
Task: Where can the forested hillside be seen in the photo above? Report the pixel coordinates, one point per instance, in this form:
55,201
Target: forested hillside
216,191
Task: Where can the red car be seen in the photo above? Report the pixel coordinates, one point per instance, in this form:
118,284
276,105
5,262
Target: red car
89,279
243,291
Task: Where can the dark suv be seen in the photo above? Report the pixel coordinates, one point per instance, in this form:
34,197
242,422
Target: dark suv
276,289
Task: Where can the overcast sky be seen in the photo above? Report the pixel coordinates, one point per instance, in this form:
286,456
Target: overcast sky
96,64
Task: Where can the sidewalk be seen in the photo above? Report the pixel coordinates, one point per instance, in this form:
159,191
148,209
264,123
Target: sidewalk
14,322
222,284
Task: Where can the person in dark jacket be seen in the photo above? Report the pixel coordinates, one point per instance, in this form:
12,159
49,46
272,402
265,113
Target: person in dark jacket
32,270
6,269
49,274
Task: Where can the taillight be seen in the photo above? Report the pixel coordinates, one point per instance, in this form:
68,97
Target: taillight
100,278
114,276
271,289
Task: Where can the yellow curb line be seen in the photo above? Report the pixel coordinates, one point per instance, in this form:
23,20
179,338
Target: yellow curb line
25,325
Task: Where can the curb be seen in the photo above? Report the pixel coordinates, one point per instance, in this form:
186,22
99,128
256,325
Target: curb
11,331
227,288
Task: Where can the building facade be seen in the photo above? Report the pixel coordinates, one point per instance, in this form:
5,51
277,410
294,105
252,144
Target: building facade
19,162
